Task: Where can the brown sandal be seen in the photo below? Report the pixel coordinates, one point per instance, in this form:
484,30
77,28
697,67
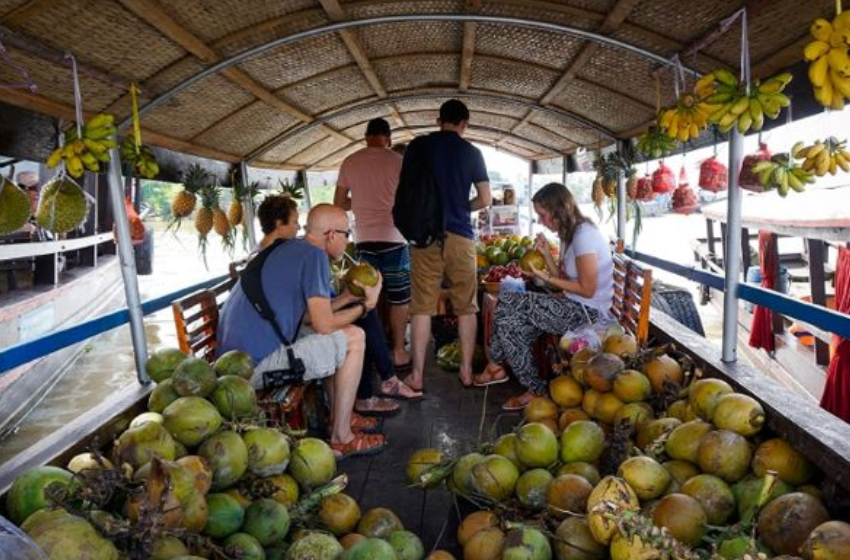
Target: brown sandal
360,445
492,375
397,391
376,406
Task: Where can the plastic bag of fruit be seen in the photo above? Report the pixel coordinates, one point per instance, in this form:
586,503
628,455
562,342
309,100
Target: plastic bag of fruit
582,337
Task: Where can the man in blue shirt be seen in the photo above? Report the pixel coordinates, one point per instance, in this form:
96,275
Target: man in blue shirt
458,166
296,282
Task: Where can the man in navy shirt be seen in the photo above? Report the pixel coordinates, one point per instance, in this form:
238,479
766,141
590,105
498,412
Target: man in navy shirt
458,167
296,282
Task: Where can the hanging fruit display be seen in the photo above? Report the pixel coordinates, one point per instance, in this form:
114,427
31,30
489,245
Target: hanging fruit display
745,110
663,179
829,70
825,156
747,178
86,151
781,173
143,160
654,143
686,119
205,216
631,184
684,199
195,179
644,189
14,207
713,175
62,205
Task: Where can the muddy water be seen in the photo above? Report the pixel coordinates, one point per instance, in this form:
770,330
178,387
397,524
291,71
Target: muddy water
106,362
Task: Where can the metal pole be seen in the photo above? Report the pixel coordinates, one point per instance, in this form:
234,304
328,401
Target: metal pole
248,207
621,209
128,263
307,199
564,170
530,204
732,250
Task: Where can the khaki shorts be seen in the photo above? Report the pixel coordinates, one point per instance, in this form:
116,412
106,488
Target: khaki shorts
322,355
456,263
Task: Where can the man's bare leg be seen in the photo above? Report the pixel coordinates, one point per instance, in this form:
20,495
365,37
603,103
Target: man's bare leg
467,326
399,315
342,387
420,336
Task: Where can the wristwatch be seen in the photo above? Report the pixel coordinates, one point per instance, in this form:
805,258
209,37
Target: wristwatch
365,307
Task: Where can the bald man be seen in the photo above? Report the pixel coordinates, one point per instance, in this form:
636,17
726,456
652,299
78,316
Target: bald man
296,281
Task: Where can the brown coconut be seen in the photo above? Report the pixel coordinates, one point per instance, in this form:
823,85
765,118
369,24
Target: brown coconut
475,522
661,369
683,516
568,493
602,370
829,541
785,523
790,465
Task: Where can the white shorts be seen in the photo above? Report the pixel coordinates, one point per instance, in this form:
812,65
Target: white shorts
322,355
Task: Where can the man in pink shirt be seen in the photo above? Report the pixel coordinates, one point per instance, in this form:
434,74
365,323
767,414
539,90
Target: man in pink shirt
366,185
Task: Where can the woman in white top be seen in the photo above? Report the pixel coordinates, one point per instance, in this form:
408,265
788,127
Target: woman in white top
583,278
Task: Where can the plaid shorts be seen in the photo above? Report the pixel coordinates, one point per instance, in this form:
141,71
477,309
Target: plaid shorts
393,260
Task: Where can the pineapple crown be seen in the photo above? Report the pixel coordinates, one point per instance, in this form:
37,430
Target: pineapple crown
209,195
241,190
196,179
294,191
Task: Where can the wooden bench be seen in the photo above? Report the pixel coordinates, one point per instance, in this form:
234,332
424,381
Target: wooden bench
632,296
196,320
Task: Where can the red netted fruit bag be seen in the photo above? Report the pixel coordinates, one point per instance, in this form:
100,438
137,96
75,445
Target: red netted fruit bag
644,189
747,179
663,179
685,200
713,175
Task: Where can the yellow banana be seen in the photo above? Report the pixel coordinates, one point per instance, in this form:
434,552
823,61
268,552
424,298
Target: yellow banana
725,77
771,86
74,165
99,121
840,83
94,146
839,61
833,166
841,161
821,29
815,149
757,113
818,71
822,163
837,100
824,94
815,50
728,120
55,158
744,122
795,183
705,85
740,106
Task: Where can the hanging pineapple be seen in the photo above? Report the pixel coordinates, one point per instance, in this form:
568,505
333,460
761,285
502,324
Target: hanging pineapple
631,185
195,179
294,190
205,216
221,223
235,211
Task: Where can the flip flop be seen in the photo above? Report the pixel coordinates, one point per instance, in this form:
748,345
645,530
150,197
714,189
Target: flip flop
370,410
396,392
361,445
514,404
486,378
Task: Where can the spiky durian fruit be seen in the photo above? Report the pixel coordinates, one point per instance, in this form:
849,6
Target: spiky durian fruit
14,207
62,206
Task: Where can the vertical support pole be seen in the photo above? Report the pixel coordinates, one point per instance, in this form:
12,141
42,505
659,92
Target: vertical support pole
248,208
564,161
301,175
621,200
530,205
817,281
128,264
731,253
745,253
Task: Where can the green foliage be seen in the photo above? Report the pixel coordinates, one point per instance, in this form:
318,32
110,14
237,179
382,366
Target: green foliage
159,195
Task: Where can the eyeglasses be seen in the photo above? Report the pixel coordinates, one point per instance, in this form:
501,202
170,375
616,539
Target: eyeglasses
345,232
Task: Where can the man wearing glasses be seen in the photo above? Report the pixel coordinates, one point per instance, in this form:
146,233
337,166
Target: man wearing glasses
295,278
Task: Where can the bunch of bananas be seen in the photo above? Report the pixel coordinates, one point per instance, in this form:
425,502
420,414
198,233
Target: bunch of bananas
143,161
686,119
781,173
734,106
654,143
829,71
88,152
825,156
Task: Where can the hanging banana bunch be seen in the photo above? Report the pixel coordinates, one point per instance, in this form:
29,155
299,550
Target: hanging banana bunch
86,152
654,143
142,159
825,156
686,119
781,173
829,70
735,107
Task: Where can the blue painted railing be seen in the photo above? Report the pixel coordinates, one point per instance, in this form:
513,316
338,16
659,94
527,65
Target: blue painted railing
24,352
815,315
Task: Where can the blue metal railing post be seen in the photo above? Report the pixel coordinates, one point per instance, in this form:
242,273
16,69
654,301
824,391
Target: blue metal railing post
732,250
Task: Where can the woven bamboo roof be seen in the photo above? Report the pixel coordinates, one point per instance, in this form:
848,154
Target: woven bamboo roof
533,91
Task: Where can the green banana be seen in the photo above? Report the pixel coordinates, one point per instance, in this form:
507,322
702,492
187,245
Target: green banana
725,77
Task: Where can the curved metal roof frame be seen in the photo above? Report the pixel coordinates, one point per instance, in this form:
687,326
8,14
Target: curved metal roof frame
559,113
339,26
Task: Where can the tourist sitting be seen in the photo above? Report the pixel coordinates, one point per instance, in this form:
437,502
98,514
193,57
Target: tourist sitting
583,278
295,278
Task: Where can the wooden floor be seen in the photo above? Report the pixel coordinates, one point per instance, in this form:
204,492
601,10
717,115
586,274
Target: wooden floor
449,418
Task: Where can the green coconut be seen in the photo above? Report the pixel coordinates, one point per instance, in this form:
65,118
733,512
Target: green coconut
462,473
339,513
506,446
407,545
748,491
162,363
574,541
266,520
582,440
226,516
14,207
32,489
227,457
162,396
724,453
363,273
146,417
190,420
714,495
312,463
380,523
194,377
244,547
235,362
582,469
62,206
526,544
370,549
234,397
420,462
268,451
168,548
68,537
536,445
646,477
495,477
532,488
315,546
138,445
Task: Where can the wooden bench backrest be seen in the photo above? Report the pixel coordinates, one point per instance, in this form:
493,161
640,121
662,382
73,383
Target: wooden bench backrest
632,296
196,320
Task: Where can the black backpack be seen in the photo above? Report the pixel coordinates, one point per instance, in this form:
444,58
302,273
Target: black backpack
418,208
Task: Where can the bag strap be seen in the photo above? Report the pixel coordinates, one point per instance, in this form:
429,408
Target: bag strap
251,280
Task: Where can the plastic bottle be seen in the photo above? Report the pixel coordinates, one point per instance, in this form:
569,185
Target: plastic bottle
16,545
